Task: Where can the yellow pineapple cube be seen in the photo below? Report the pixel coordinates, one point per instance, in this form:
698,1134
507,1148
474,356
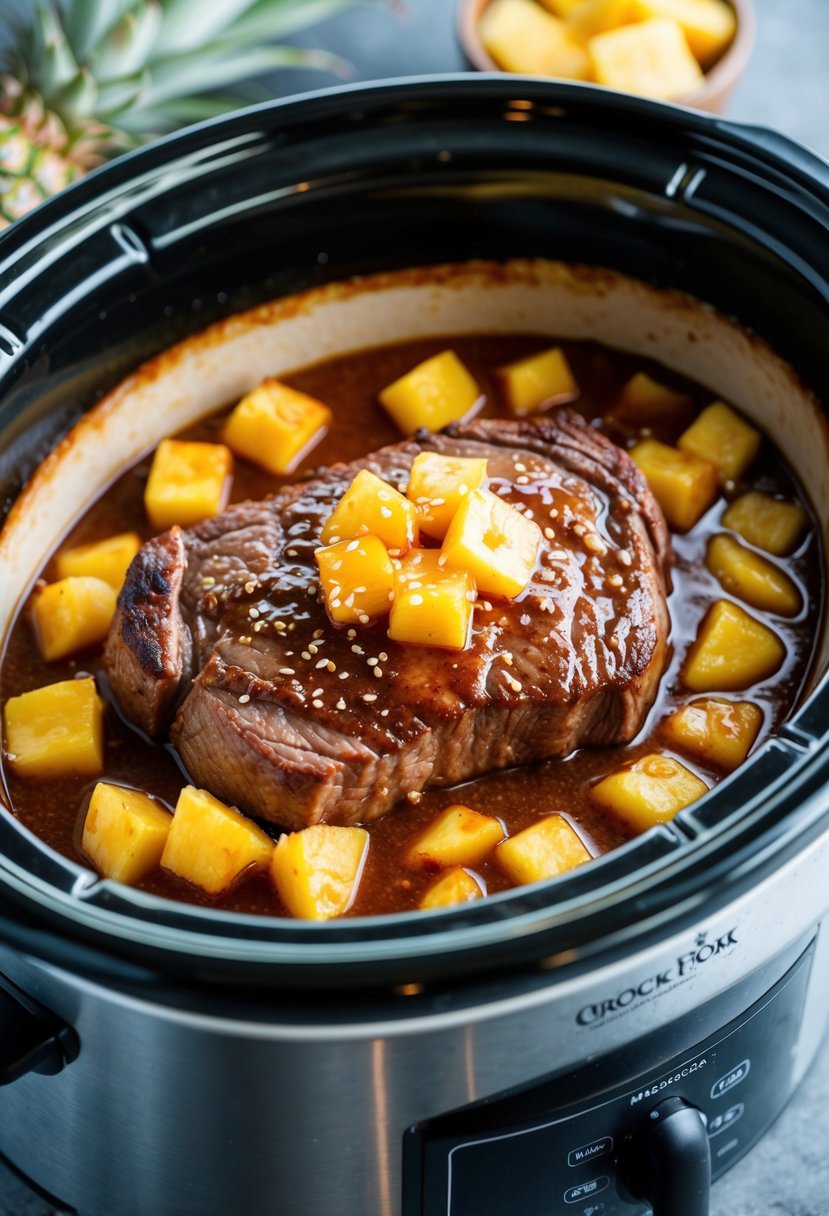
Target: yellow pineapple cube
212,845
542,850
648,792
56,731
562,8
715,732
437,485
723,438
652,58
494,542
769,523
436,392
731,651
458,837
598,16
188,482
708,25
644,402
521,37
456,886
71,615
684,485
124,832
371,505
357,579
105,559
751,577
432,604
539,380
276,426
317,871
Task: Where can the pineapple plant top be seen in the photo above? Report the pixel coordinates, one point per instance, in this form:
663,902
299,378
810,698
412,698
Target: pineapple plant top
82,80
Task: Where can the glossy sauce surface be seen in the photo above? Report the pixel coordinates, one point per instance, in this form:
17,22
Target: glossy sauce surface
349,385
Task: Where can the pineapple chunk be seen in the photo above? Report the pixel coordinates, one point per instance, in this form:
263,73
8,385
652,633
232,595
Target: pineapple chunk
494,542
124,832
437,485
56,731
652,58
188,482
541,851
72,614
432,604
766,522
723,438
521,37
542,379
644,402
276,426
317,871
650,791
684,485
456,886
709,25
213,845
752,578
562,8
458,837
357,579
433,394
371,505
598,16
732,651
105,559
718,733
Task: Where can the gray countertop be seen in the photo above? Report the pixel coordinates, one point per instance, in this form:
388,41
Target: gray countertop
786,86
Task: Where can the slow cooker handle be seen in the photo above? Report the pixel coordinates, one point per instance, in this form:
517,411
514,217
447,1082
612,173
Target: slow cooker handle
771,143
668,1164
31,1039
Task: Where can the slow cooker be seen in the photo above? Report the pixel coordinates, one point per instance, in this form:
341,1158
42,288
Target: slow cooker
606,1043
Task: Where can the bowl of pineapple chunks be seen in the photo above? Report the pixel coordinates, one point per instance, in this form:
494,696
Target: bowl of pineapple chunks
691,52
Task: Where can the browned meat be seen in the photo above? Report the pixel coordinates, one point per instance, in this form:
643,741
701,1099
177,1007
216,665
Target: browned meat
275,709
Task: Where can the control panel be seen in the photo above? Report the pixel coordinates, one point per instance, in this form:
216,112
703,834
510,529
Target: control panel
592,1143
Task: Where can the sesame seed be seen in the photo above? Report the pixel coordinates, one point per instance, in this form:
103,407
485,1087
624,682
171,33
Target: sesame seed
336,565
624,504
334,540
321,663
378,671
245,697
414,796
279,626
383,495
343,675
553,513
316,634
341,704
579,529
442,560
363,618
355,649
384,713
258,626
385,512
549,533
291,552
371,662
330,666
317,692
594,543
349,600
369,696
519,467
287,671
208,581
305,655
394,552
245,640
352,545
522,480
334,604
384,658
438,502
361,590
416,600
253,613
317,704
250,587
351,633
514,684
507,658
614,580
313,648
625,558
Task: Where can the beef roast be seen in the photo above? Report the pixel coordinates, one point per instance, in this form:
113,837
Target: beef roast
222,639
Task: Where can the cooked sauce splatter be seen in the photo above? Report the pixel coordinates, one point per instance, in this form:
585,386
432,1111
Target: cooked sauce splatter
349,385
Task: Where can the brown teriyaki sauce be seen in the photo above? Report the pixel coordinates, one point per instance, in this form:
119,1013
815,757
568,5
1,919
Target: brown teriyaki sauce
349,385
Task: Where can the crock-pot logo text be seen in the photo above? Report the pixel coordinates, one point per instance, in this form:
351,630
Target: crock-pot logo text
657,985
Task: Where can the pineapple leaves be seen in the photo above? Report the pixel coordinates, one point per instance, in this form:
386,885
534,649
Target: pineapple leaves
130,44
89,22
